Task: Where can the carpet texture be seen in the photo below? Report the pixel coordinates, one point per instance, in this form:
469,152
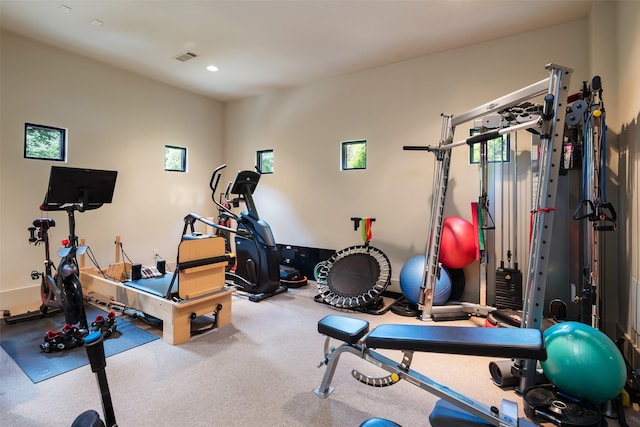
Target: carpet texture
260,371
22,342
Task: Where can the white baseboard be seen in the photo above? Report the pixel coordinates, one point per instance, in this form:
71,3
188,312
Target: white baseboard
20,300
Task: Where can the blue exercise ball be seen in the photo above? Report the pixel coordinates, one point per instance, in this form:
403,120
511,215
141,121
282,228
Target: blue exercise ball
411,281
583,362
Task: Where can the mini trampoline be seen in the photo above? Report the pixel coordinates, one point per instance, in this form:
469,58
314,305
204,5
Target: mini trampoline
354,277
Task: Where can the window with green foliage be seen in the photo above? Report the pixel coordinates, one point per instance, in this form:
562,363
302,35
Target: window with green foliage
354,155
45,142
264,161
498,149
175,158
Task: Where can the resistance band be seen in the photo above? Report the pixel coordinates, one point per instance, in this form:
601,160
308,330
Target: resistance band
533,213
367,234
475,214
599,208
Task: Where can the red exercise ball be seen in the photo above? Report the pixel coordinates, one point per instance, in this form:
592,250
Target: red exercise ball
457,243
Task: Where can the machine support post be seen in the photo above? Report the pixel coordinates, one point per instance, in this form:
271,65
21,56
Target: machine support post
542,231
431,266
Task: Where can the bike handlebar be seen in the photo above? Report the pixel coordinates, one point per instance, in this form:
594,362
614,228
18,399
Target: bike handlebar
80,207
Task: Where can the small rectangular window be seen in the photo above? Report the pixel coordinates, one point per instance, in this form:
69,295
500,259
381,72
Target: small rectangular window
498,149
354,155
45,142
175,158
264,161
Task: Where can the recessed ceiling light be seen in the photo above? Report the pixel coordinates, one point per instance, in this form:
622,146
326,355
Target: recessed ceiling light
64,8
212,68
96,22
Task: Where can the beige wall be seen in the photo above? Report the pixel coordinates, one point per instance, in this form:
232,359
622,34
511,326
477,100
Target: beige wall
628,156
115,120
308,201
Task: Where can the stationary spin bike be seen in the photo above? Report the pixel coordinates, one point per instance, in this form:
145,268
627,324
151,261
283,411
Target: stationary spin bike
257,269
64,290
70,190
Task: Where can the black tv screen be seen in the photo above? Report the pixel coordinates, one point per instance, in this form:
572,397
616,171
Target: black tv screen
77,185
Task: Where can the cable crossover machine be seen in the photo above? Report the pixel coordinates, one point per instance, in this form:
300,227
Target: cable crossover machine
525,346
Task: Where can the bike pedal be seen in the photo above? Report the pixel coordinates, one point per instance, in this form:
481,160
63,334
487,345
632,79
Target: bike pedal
105,325
69,337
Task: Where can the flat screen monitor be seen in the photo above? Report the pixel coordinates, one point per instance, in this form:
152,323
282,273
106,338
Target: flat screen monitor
91,187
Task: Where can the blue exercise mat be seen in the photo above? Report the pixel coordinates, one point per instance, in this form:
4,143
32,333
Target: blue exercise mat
22,342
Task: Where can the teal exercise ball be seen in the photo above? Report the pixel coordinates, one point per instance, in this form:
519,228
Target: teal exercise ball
583,362
411,281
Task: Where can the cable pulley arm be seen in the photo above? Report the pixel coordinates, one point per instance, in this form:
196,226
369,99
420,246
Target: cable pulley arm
485,136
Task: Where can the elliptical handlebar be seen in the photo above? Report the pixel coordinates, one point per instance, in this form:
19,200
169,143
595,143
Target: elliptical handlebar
213,184
215,176
226,194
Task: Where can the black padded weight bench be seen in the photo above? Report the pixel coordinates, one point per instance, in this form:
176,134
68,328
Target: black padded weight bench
454,409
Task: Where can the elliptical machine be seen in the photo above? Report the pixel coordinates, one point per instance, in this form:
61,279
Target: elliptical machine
257,270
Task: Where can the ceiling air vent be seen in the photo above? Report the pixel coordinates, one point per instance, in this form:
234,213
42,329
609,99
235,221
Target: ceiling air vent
184,57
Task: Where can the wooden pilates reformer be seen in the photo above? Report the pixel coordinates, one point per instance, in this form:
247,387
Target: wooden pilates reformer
195,288
474,341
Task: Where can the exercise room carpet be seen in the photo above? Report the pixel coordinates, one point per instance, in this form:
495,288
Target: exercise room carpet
259,371
22,342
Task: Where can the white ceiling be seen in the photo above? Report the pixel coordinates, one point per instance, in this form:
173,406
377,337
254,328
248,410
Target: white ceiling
261,45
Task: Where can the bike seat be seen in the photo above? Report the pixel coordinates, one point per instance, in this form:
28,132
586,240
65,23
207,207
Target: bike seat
44,222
